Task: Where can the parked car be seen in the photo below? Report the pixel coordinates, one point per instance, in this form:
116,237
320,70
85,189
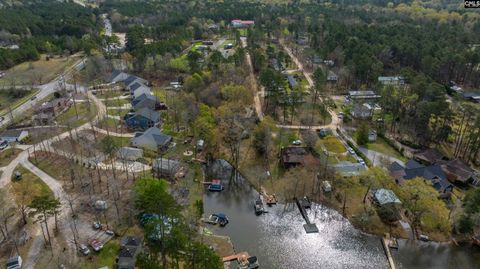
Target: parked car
1,118
297,142
97,225
14,263
96,244
33,97
110,232
351,151
84,249
3,144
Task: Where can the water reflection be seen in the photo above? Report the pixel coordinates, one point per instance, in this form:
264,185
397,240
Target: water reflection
279,240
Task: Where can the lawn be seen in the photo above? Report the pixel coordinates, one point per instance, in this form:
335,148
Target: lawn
14,98
118,112
331,144
380,145
116,102
6,156
28,186
38,72
85,113
106,257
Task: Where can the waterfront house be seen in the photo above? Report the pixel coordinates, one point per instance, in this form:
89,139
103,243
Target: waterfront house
152,139
412,169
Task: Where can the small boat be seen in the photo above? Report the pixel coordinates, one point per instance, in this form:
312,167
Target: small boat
219,218
258,206
305,202
250,263
215,185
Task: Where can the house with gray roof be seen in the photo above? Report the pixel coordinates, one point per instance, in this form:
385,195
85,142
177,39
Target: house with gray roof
412,169
163,167
152,139
118,76
332,77
145,100
141,89
134,79
392,80
13,135
129,153
129,248
142,119
384,197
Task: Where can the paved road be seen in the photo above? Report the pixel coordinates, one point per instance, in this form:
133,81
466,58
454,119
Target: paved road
45,90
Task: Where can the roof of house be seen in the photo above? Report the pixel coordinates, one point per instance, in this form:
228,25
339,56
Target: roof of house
471,95
12,133
362,94
54,103
149,114
457,170
384,196
130,241
141,90
293,154
394,78
118,75
143,96
155,135
165,164
429,156
331,75
134,79
129,151
414,169
292,81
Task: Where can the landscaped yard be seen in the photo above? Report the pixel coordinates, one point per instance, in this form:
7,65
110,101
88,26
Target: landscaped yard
29,186
7,155
85,113
380,145
331,144
38,72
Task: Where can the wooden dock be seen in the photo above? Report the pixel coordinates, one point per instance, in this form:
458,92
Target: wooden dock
309,227
386,248
242,256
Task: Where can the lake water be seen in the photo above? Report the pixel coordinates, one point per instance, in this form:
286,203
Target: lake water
279,240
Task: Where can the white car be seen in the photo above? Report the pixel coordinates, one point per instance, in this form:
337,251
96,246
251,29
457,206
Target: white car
14,263
84,249
297,142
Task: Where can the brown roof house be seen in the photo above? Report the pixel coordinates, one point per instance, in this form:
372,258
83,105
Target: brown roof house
48,111
458,171
429,156
292,156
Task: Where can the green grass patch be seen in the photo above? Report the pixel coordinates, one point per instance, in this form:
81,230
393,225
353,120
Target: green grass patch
6,156
84,111
29,186
331,144
14,98
380,145
106,257
38,72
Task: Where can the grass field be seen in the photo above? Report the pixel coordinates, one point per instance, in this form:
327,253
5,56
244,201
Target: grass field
380,145
6,156
331,144
28,186
37,72
7,99
85,114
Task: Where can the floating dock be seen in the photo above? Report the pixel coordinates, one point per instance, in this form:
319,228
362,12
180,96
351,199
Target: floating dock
309,227
242,256
385,243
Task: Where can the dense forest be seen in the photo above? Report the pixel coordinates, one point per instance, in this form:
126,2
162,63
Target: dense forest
48,26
